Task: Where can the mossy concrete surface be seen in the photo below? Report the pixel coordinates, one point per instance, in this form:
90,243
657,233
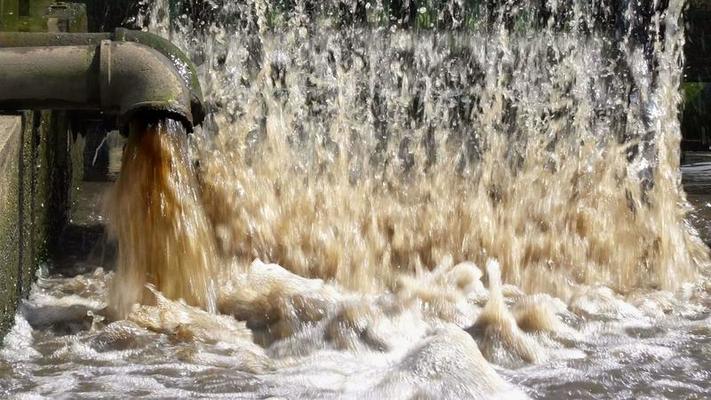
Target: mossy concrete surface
35,194
10,143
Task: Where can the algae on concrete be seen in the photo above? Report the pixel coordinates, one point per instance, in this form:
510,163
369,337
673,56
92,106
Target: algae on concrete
10,143
37,174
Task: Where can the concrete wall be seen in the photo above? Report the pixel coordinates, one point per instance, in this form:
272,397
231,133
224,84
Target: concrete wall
37,166
10,143
36,178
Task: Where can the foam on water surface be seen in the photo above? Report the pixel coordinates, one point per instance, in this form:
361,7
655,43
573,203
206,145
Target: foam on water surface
354,346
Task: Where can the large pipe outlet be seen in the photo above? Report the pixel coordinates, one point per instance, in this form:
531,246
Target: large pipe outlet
93,72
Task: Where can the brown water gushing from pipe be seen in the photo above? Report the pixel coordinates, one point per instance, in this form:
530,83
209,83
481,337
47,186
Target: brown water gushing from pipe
164,237
556,154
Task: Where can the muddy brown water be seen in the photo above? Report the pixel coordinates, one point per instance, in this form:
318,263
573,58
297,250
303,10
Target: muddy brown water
305,338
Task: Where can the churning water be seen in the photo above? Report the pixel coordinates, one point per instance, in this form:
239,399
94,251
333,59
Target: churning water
430,204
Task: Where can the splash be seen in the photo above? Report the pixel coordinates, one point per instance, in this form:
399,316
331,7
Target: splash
360,155
363,155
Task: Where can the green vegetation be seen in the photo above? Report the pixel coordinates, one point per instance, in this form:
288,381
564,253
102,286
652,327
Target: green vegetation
38,15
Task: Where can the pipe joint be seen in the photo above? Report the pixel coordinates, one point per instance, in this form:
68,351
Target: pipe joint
134,78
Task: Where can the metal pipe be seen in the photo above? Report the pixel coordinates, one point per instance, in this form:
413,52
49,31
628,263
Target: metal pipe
49,78
43,39
125,72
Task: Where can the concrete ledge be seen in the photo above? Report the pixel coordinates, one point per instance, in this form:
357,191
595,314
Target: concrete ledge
10,257
37,172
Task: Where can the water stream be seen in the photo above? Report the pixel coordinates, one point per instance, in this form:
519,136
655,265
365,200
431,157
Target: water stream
456,209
